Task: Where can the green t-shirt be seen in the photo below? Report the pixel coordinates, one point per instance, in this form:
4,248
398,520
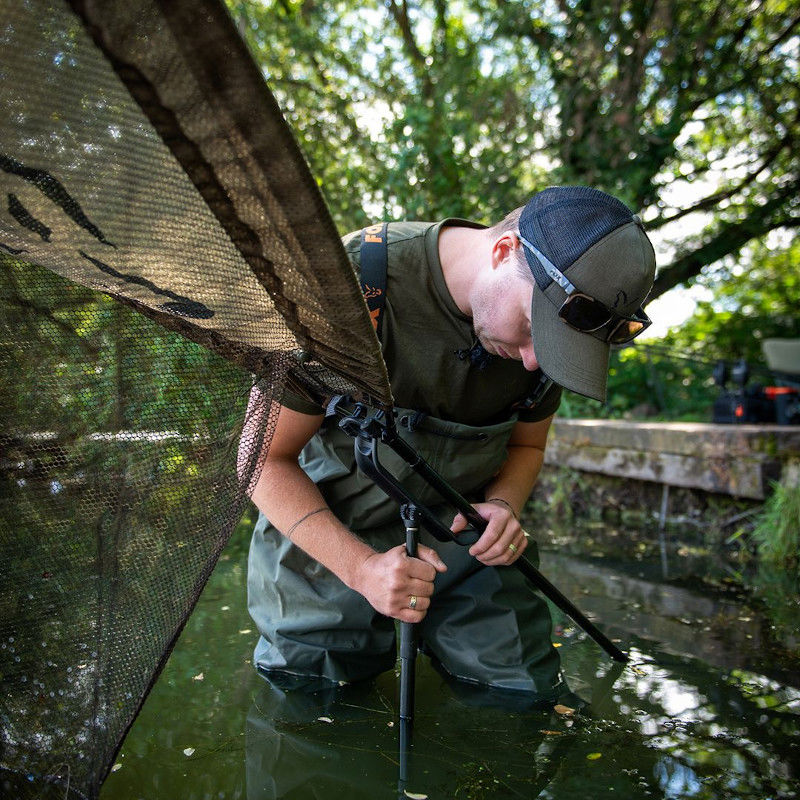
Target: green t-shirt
425,339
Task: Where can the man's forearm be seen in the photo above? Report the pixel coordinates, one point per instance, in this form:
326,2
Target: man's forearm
517,477
289,499
388,581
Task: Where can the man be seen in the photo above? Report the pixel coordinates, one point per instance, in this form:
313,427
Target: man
474,320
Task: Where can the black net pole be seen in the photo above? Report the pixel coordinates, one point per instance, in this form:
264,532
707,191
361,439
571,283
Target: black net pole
408,654
367,431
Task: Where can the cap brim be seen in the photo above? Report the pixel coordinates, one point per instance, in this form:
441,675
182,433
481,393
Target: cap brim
577,361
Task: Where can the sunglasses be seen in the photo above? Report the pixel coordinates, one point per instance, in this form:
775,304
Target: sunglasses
587,314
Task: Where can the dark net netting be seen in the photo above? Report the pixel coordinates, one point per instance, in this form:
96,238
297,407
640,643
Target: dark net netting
163,248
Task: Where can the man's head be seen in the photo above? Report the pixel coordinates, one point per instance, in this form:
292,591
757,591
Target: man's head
592,267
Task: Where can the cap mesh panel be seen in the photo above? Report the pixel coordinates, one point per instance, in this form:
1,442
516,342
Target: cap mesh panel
567,221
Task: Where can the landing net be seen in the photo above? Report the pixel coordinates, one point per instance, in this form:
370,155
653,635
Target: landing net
163,247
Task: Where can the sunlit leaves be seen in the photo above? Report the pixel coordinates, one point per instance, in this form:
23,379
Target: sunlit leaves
683,109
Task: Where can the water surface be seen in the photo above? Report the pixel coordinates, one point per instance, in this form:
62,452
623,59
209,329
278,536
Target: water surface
708,708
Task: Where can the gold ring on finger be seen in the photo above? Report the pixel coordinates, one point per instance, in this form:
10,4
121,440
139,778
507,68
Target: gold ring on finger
412,603
513,548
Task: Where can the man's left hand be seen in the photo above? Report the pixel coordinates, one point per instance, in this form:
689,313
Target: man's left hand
503,541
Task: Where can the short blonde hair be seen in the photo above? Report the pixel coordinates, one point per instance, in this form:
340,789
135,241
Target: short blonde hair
509,223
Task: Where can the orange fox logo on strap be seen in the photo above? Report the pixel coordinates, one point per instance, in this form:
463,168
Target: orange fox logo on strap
374,263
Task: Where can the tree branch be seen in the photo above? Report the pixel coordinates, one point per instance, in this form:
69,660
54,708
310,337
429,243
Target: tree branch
728,239
713,199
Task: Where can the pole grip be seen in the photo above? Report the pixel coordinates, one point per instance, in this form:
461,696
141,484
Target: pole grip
408,638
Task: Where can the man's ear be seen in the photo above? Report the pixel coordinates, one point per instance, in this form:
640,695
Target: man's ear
504,248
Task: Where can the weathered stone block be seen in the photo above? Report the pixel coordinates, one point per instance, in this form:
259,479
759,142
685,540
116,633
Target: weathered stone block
740,460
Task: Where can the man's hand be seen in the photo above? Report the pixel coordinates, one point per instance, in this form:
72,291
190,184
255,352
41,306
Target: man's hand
390,580
503,541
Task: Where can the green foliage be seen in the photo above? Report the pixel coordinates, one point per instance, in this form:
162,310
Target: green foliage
777,531
754,298
687,109
650,381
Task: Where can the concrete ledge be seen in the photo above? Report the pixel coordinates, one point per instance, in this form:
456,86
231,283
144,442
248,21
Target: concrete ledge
739,460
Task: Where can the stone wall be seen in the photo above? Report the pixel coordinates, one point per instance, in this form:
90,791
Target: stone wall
737,460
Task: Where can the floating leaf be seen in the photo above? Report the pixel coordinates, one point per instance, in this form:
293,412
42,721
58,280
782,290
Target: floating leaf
553,733
415,795
324,719
198,677
245,631
594,756
116,767
566,710
557,644
188,751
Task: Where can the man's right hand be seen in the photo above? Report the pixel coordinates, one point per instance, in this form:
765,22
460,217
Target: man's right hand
389,580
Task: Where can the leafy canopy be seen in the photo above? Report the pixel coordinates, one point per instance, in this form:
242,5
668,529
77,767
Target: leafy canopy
686,109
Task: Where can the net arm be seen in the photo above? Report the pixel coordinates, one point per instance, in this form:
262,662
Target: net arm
369,429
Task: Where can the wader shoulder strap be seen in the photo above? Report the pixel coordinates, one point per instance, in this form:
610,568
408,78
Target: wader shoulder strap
374,263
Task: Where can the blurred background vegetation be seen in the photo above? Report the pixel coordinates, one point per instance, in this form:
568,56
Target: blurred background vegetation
687,110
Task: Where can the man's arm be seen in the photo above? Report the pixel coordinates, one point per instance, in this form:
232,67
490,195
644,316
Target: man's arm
506,495
294,505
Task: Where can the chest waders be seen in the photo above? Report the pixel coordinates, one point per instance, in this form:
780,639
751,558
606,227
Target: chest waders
484,625
311,623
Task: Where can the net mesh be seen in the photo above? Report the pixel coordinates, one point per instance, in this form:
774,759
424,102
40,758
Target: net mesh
141,159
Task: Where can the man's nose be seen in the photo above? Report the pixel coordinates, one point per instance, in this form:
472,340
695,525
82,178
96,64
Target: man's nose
528,357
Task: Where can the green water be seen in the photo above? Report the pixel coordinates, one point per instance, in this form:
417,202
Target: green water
709,707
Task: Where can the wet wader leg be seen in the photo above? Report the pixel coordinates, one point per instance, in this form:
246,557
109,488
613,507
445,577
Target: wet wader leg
487,625
310,622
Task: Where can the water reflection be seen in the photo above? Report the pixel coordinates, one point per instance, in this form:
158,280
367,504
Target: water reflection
335,742
320,742
688,718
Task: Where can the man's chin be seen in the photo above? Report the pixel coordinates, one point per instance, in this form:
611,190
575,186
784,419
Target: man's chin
487,346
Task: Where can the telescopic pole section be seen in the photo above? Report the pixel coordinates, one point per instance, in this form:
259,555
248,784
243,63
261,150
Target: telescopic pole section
408,654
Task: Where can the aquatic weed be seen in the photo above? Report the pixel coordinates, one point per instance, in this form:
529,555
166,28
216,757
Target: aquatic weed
777,532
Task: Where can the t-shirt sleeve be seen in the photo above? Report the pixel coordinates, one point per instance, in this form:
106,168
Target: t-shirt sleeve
549,405
296,402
